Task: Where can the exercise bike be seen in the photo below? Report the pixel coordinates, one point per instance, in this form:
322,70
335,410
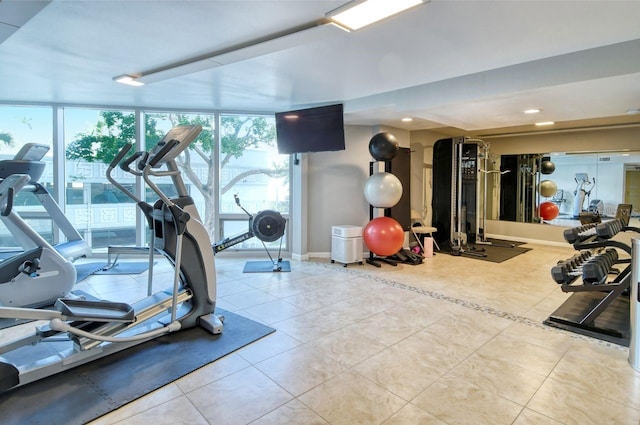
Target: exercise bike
41,272
80,331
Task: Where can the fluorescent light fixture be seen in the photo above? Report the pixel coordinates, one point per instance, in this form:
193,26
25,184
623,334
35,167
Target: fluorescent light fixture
531,111
407,119
358,13
129,80
543,123
291,117
337,25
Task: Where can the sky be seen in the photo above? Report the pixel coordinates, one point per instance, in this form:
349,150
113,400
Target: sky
33,124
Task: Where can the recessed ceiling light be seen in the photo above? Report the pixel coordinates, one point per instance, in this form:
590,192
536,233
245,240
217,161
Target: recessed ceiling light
129,80
531,111
543,123
407,119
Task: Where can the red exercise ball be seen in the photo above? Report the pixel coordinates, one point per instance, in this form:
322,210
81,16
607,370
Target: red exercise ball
383,236
548,210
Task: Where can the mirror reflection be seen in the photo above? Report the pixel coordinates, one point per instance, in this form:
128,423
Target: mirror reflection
562,187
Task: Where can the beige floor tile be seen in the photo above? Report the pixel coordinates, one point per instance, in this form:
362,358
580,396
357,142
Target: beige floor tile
176,411
458,402
434,349
508,380
601,371
461,338
387,327
157,398
285,289
529,417
269,346
348,346
473,327
300,369
239,398
542,336
309,326
227,288
411,415
292,413
249,298
349,399
315,299
225,366
274,311
402,375
521,353
573,406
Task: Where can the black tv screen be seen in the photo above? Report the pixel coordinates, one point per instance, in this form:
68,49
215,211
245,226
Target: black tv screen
310,130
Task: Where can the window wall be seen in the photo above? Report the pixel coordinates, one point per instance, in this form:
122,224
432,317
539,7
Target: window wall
102,214
234,155
20,125
251,169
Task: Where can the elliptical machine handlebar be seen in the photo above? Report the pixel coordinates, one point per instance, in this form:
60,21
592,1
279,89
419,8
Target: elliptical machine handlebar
121,154
114,163
156,157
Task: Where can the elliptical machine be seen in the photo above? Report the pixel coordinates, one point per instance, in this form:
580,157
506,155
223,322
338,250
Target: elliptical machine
80,331
41,273
582,182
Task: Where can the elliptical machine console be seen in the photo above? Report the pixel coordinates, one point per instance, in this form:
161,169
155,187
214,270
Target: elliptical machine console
80,331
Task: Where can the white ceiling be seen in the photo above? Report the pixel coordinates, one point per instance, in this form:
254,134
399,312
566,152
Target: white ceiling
471,65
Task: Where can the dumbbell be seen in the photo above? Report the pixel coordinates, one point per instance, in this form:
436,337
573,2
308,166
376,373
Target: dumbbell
597,268
568,270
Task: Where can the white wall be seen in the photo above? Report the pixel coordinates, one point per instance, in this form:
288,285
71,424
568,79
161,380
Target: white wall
335,188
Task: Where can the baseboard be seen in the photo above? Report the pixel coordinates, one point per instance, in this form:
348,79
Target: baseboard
300,257
526,240
328,255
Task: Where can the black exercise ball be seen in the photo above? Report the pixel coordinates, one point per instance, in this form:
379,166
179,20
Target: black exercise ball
547,167
383,147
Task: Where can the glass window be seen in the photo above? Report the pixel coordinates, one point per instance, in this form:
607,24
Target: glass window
100,212
195,163
251,169
20,125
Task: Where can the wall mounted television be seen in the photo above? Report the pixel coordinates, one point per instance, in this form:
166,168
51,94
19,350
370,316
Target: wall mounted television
317,129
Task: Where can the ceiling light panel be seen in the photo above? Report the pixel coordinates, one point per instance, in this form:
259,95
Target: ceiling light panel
358,14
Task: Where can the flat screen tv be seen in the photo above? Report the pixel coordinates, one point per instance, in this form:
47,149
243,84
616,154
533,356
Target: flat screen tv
310,130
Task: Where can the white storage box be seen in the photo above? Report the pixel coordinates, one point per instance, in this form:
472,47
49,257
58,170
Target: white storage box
346,231
346,250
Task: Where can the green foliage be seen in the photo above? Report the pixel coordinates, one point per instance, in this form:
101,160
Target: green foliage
114,129
104,141
6,138
237,133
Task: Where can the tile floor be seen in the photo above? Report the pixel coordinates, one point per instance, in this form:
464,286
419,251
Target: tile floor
452,341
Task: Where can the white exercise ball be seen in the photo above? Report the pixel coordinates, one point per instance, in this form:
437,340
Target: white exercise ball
548,188
383,190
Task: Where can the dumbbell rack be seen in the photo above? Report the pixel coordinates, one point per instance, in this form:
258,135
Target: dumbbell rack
599,304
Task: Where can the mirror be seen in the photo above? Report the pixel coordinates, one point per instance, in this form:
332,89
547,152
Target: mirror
564,185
